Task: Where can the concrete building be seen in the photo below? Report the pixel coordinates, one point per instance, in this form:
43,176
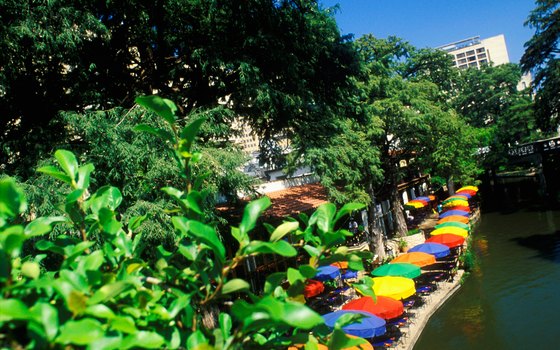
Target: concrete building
475,52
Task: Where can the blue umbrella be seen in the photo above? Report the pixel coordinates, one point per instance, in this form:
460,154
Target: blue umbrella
368,327
327,272
427,199
454,212
436,249
350,274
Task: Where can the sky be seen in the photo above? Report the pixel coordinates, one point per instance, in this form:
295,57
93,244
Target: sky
433,23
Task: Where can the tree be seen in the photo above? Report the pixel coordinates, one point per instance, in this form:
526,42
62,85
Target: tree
280,65
541,56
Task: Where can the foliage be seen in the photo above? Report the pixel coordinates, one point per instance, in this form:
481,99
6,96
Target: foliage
109,297
280,65
542,57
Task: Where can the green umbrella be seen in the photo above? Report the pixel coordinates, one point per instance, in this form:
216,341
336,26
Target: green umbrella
398,269
454,224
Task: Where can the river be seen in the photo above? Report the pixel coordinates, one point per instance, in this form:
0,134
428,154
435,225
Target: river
512,299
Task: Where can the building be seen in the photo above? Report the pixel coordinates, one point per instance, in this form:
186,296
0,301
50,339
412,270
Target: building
475,52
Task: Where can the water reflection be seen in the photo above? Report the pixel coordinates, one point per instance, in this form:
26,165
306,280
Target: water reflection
511,300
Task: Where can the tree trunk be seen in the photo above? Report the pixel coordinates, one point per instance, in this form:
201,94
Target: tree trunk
398,210
450,186
375,232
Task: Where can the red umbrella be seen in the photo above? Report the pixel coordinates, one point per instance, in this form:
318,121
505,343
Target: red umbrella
458,207
313,288
470,192
384,307
450,240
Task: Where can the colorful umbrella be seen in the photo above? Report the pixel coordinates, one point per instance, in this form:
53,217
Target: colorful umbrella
340,264
432,197
457,207
468,194
451,230
454,218
423,198
457,196
454,224
368,327
398,269
313,288
456,202
416,258
454,212
325,273
393,287
383,307
436,249
363,346
415,205
468,188
450,240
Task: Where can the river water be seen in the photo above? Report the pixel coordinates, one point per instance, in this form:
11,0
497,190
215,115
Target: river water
512,299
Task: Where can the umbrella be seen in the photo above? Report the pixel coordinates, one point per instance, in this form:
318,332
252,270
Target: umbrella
364,346
452,230
436,249
398,269
454,218
423,198
432,197
465,193
325,273
416,204
313,288
458,196
383,307
450,240
456,202
340,264
457,207
393,287
454,224
454,212
368,327
416,258
468,188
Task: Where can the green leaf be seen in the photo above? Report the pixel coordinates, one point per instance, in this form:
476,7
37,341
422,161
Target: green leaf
92,261
68,162
80,332
324,217
300,316
13,238
312,251
235,285
42,225
252,212
294,276
135,222
194,200
30,269
124,324
143,339
108,292
197,341
307,271
108,221
13,309
100,311
282,248
202,232
225,324
47,316
241,237
56,173
348,209
161,106
161,133
84,173
283,230
12,199
190,131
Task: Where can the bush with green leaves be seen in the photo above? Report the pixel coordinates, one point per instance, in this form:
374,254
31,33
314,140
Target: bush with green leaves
103,295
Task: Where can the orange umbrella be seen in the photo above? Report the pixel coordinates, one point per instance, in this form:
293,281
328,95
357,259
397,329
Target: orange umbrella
340,264
384,307
363,346
458,207
416,258
458,218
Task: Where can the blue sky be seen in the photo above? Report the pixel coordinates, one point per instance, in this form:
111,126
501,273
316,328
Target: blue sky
432,23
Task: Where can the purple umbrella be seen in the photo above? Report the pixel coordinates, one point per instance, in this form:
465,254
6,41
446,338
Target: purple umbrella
436,249
454,212
368,327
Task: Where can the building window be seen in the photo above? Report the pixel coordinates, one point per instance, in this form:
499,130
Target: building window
471,52
482,55
463,66
472,58
464,60
483,62
480,50
461,55
472,64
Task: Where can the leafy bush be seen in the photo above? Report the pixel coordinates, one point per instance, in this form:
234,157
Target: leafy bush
103,294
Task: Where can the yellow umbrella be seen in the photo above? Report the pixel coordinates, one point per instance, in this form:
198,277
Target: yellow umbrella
415,204
417,258
455,203
452,230
468,188
393,287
